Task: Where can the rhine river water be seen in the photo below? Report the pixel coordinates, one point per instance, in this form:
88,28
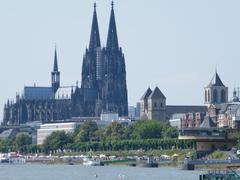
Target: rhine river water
78,172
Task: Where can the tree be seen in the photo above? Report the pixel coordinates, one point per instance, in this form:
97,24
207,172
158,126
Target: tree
22,140
6,145
114,131
87,132
147,129
171,132
57,140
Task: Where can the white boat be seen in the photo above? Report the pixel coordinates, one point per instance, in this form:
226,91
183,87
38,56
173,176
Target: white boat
11,158
91,162
4,158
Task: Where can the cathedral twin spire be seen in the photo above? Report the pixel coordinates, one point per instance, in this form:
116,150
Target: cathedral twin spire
112,39
94,37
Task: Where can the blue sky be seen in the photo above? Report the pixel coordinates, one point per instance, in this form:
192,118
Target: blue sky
174,44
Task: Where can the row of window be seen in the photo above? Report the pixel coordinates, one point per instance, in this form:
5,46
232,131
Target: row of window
215,97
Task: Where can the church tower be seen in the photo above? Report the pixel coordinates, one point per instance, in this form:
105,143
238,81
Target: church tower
55,74
92,57
114,85
157,105
103,72
144,104
216,92
153,105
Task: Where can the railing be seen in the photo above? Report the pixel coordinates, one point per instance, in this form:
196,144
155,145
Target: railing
213,161
213,133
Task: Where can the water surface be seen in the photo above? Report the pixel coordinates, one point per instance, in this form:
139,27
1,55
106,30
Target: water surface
78,172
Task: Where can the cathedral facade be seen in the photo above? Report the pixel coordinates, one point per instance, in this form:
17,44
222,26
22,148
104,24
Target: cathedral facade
103,86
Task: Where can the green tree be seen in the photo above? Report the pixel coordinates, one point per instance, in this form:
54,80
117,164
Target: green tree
22,140
6,145
114,131
147,129
56,141
99,134
128,132
170,132
87,132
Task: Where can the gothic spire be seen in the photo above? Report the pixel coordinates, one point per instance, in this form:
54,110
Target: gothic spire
55,74
112,39
94,37
55,65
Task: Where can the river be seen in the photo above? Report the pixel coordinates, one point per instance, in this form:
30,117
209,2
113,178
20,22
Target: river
78,172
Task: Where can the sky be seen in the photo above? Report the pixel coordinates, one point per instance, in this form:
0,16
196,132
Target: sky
174,44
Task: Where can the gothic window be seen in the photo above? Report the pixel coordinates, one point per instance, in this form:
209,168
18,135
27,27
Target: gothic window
155,105
223,96
215,96
206,98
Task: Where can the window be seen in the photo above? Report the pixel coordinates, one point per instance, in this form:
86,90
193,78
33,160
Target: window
223,96
215,96
206,96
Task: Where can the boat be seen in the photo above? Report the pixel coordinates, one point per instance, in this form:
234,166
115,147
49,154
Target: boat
11,158
150,163
87,161
4,158
132,164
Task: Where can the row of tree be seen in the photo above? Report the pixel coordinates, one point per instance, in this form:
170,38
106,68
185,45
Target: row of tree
144,129
121,145
143,134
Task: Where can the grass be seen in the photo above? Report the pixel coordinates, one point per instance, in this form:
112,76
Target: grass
218,155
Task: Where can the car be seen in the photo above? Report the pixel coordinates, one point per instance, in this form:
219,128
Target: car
238,152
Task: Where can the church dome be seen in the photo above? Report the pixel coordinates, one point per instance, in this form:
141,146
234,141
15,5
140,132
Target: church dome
235,99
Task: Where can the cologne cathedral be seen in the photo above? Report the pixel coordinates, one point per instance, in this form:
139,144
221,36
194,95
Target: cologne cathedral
103,86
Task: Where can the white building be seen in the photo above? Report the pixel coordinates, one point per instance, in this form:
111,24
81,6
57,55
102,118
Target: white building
176,120
47,129
109,117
